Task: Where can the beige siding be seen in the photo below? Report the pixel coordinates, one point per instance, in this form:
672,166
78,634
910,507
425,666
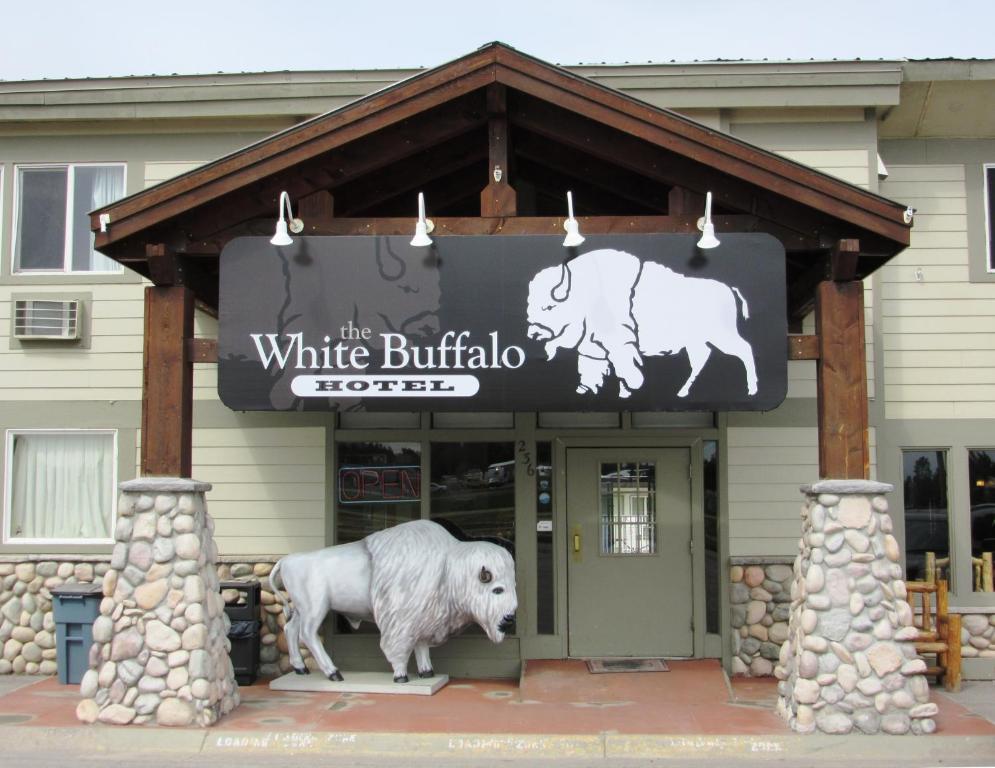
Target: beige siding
767,467
848,164
268,494
938,329
110,368
161,171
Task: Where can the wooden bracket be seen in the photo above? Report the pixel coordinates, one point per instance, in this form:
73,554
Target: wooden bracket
843,261
202,350
165,268
803,347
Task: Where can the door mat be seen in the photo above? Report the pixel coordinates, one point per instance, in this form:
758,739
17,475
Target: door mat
601,666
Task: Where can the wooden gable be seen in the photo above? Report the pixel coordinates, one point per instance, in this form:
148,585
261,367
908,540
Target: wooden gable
632,167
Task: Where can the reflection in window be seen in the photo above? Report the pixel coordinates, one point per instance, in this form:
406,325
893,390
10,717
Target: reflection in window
981,470
473,491
628,508
712,570
378,485
927,536
545,583
473,494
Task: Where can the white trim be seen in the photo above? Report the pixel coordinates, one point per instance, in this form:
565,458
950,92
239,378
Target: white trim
70,168
8,483
985,168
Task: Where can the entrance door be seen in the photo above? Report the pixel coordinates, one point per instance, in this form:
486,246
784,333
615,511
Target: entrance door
629,539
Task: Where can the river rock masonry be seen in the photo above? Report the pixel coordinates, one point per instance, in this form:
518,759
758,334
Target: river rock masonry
160,644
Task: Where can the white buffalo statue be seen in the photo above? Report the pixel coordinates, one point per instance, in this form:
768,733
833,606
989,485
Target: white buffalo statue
615,309
418,583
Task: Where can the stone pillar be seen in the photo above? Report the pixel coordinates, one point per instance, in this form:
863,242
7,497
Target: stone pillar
848,663
160,644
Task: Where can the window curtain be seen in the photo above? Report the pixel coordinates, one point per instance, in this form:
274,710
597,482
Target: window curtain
62,486
108,186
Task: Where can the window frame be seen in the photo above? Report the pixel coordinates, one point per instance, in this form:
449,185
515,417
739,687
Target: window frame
988,169
8,485
66,270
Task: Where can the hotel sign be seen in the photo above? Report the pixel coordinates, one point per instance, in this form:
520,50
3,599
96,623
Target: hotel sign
498,323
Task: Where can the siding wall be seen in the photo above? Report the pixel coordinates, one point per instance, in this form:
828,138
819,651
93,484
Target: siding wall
268,493
110,369
938,328
768,465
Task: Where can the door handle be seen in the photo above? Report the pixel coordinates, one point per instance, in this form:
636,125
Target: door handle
576,542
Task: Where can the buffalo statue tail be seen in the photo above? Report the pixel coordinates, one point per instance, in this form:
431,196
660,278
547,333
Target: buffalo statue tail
276,586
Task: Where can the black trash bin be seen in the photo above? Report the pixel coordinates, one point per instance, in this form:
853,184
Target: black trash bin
244,631
75,607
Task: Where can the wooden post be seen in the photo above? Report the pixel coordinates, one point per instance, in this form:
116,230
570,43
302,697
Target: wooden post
842,376
167,393
498,198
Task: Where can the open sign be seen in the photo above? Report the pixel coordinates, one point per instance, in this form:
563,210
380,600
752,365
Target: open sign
379,485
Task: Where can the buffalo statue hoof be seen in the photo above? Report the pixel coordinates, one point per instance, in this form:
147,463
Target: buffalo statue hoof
302,671
400,678
427,673
336,676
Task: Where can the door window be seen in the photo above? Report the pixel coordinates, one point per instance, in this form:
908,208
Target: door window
628,508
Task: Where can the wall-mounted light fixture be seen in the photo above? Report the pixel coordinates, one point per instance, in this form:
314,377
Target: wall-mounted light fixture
708,238
573,238
423,225
280,237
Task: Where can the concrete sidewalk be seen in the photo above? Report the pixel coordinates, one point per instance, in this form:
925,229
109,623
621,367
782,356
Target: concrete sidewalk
557,711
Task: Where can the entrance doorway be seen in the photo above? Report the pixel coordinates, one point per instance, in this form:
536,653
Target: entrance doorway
630,566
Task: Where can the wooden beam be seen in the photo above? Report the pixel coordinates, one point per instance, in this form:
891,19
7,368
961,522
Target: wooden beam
498,198
167,390
731,157
803,347
282,152
661,165
842,381
843,260
317,207
530,225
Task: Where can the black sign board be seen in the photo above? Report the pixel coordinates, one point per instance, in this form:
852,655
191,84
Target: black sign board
503,323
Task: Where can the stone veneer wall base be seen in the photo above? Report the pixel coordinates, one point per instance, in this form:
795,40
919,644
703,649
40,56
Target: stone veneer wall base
160,644
848,663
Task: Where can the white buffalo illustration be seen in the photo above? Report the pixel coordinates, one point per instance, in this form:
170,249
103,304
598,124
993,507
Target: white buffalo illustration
418,583
615,309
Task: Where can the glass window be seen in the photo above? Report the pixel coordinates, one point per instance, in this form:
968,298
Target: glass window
378,485
52,228
61,486
628,508
473,491
927,529
545,574
981,470
712,570
473,494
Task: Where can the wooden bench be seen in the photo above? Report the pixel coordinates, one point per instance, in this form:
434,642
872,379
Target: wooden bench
939,630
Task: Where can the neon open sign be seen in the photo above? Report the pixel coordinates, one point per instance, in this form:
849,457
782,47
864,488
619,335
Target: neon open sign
379,485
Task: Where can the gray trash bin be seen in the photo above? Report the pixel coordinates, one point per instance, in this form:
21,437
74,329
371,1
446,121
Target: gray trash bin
75,607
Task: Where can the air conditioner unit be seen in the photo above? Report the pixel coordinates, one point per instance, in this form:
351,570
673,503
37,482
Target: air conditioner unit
41,319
